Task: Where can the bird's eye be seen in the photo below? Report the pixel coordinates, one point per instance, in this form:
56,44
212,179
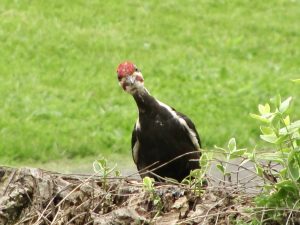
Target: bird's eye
119,77
136,69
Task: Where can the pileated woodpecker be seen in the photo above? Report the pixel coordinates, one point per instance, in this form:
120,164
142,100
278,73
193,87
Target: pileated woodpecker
164,142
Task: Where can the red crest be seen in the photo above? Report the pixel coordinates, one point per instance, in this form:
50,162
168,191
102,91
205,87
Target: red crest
125,68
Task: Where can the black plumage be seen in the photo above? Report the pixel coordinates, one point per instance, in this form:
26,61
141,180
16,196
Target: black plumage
160,134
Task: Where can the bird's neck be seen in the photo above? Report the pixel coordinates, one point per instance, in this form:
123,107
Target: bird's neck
145,102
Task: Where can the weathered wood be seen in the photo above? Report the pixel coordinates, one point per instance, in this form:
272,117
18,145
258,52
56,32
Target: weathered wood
35,196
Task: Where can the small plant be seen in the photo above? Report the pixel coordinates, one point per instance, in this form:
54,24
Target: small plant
196,179
231,152
148,185
282,189
100,167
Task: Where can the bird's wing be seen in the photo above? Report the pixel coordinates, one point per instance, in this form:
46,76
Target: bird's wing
134,144
191,126
186,122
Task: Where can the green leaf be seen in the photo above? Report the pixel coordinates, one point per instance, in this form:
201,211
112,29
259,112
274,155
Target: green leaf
293,127
293,166
271,138
221,168
195,173
261,109
251,155
99,166
282,172
288,185
148,183
266,130
295,124
205,159
296,136
276,118
237,153
286,150
272,156
281,139
267,108
260,118
287,120
259,170
96,167
232,145
264,109
286,131
109,170
223,151
284,106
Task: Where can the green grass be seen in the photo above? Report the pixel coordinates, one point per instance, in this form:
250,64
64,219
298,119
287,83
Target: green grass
212,60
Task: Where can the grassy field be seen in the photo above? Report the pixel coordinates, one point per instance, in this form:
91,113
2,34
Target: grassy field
213,60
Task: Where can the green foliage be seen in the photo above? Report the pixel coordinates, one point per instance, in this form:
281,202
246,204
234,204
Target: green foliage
212,60
282,183
229,153
103,169
148,185
196,179
283,191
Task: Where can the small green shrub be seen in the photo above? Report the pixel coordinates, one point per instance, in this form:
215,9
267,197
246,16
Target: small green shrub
148,185
196,179
101,167
229,153
282,188
279,167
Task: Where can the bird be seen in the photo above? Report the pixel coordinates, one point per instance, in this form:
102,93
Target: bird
164,142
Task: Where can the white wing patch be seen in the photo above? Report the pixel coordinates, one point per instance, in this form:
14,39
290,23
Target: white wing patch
137,124
135,151
192,134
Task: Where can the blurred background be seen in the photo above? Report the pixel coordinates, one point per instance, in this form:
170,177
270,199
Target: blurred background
60,103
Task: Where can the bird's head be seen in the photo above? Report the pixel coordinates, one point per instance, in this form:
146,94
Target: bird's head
130,77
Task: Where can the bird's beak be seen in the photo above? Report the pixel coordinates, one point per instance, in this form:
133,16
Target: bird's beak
130,79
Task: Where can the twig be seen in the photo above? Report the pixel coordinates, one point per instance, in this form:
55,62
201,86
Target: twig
56,215
75,217
9,181
63,198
